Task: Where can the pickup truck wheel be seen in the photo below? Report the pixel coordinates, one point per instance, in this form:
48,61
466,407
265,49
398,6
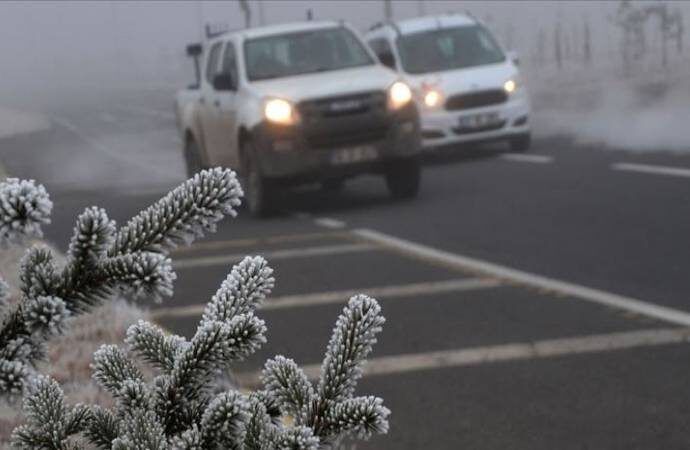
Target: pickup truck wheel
520,143
192,158
403,178
257,190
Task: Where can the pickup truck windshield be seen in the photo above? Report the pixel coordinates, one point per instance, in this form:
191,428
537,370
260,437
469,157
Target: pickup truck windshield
448,49
303,52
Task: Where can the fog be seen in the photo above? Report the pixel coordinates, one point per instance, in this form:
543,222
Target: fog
55,52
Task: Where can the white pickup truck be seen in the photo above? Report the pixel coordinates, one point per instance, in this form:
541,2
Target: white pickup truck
299,103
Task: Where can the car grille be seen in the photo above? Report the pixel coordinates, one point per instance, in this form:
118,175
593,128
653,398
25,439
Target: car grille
344,120
476,99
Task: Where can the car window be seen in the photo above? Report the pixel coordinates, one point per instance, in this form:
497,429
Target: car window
303,52
212,62
229,63
448,49
380,46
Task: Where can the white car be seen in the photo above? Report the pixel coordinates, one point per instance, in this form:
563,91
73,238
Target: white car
299,103
467,87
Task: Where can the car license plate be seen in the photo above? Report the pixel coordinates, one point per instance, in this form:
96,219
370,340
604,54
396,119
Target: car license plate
351,155
479,120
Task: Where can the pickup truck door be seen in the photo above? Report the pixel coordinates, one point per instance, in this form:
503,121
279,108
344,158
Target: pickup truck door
225,151
207,108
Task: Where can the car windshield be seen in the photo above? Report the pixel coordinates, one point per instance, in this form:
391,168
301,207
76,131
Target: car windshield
304,52
448,49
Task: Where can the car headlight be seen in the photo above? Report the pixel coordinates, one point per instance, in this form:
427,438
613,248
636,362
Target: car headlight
510,86
399,95
432,98
280,111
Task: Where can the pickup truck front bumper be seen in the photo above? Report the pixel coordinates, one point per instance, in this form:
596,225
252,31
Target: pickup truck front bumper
336,149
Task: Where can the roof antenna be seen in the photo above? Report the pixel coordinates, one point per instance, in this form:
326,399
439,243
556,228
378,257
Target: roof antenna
310,14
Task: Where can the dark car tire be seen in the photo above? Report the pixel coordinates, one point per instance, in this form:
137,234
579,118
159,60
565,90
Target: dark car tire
520,143
258,194
403,178
192,158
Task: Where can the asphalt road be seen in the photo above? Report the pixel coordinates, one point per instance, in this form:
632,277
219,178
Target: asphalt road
533,301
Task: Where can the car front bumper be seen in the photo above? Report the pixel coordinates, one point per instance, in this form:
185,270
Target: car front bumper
288,153
440,128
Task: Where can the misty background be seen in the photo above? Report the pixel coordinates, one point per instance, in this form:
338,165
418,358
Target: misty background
55,52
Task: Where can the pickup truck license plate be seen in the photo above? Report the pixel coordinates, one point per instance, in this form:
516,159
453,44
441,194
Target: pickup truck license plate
479,120
356,154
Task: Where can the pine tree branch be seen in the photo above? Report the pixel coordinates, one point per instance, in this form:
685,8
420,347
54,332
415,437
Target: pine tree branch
184,214
111,368
24,208
289,385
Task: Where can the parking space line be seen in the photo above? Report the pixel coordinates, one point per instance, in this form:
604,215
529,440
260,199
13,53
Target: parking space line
652,169
273,255
518,351
335,297
249,242
528,158
460,262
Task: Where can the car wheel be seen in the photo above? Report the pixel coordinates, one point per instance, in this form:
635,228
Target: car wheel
520,143
403,178
257,191
192,158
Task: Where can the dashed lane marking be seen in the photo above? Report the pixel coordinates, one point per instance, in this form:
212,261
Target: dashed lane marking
273,255
250,242
335,297
518,351
148,112
527,158
327,222
460,262
652,169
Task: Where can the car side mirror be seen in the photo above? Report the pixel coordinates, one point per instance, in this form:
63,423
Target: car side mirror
514,57
224,82
387,59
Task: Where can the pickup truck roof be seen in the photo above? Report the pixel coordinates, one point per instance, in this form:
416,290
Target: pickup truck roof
283,28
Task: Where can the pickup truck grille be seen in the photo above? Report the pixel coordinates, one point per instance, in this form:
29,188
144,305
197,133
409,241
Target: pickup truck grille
476,99
345,120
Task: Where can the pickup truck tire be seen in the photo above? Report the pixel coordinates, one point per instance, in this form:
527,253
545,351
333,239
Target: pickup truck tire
192,158
257,190
520,143
403,178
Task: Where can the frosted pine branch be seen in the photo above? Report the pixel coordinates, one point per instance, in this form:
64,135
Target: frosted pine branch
111,368
183,215
288,384
94,233
24,208
154,346
243,290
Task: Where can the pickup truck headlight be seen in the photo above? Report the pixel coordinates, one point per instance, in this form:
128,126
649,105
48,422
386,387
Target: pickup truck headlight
510,86
280,111
399,95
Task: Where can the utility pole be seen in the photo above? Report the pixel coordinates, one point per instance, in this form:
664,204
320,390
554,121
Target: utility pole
262,16
558,52
587,42
247,11
388,9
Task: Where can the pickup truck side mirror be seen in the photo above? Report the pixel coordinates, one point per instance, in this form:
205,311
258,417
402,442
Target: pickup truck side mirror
387,59
224,82
514,56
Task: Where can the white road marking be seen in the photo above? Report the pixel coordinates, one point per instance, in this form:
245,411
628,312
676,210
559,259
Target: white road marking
629,304
335,297
273,255
528,158
517,351
327,222
248,242
652,169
